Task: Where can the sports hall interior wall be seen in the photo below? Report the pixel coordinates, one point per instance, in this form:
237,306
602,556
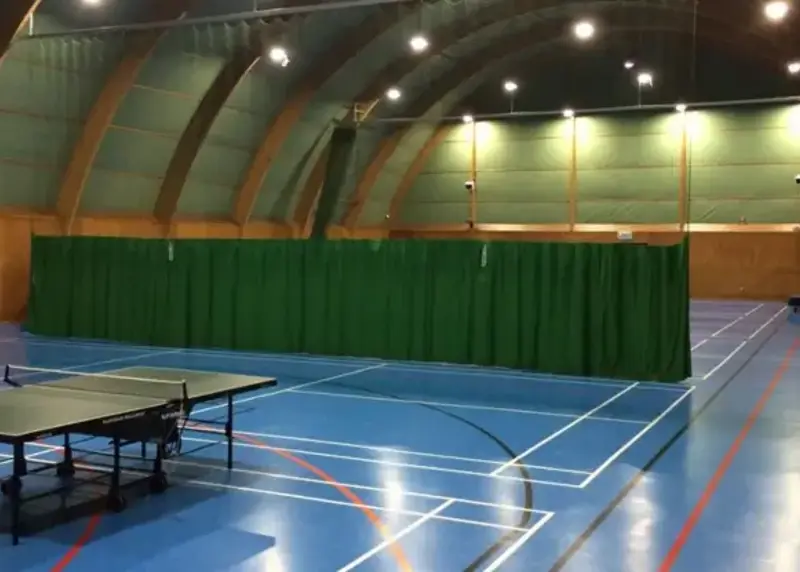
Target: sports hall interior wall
136,101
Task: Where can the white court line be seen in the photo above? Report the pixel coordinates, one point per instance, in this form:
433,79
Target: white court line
738,348
698,344
518,544
266,492
458,405
561,431
280,391
767,323
727,358
736,321
754,310
10,458
432,368
396,537
385,463
618,453
390,450
311,480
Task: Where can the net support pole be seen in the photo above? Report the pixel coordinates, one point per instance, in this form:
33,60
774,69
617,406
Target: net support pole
229,431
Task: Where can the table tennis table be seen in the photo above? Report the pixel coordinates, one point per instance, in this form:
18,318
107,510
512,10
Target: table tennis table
137,405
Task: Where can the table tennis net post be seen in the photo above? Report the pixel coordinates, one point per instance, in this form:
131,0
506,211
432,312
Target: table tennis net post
168,390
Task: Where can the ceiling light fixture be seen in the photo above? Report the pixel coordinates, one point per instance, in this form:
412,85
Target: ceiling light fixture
393,94
279,56
644,79
418,44
583,30
776,10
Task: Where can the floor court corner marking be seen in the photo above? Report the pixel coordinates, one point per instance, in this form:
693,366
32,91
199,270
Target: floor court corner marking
563,430
577,544
708,492
632,441
355,500
288,389
511,550
738,348
397,536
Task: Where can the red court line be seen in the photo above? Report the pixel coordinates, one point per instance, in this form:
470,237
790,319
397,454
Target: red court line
393,546
713,484
83,539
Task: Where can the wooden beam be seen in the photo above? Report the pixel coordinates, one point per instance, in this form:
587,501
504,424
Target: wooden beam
199,125
572,178
304,212
281,126
138,49
683,174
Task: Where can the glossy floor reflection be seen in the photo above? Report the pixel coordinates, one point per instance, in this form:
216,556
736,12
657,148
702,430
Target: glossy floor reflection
370,465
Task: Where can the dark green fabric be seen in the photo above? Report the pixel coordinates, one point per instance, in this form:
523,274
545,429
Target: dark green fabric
342,145
618,310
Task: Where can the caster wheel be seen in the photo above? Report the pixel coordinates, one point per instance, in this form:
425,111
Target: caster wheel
117,503
158,483
64,470
8,486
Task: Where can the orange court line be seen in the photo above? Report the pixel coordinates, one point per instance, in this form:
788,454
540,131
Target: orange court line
713,484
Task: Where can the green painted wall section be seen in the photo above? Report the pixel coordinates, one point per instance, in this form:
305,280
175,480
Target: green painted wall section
627,168
523,171
741,165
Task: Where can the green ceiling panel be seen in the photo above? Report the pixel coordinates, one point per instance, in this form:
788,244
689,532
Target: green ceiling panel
205,199
240,127
218,165
292,159
114,192
47,91
135,153
28,138
290,195
32,186
180,73
155,111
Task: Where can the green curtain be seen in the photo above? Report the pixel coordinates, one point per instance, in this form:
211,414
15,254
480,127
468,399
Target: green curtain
606,310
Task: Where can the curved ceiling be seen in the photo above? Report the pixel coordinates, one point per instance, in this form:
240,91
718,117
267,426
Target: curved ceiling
193,120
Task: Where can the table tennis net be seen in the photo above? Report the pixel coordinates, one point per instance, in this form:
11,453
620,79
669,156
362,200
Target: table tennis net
110,383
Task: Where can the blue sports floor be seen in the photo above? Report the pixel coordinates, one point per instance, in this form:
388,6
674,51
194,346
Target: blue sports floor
371,465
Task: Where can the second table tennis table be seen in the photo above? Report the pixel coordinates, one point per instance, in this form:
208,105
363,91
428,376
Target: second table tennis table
137,405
